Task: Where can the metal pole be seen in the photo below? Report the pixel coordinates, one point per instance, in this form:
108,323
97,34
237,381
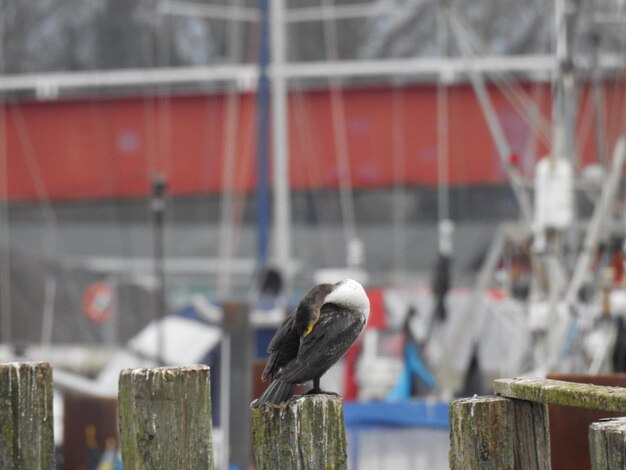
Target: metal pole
598,219
564,110
6,326
158,213
599,105
225,364
535,67
262,117
443,188
282,232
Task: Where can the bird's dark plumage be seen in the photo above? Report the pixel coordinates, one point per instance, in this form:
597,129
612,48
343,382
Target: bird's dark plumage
316,335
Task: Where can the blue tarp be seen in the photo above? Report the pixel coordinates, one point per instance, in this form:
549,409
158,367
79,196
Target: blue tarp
413,413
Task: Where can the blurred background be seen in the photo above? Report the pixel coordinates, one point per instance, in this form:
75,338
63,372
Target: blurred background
161,159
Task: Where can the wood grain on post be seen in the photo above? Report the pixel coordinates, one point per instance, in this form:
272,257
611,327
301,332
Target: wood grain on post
306,433
498,433
165,418
558,392
607,444
26,419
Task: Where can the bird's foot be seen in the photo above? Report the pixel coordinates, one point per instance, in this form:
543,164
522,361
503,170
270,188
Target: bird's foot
319,391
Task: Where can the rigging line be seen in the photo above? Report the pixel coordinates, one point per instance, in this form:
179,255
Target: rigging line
613,93
245,168
615,124
516,96
52,242
6,326
537,94
120,225
103,151
493,123
597,91
321,203
443,183
531,147
338,115
245,174
504,82
526,108
50,236
398,212
586,122
149,50
229,202
164,117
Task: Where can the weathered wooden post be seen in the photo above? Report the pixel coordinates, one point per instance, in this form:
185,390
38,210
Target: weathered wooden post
607,444
26,419
498,433
165,418
306,433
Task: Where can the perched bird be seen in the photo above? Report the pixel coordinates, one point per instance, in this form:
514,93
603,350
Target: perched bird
313,337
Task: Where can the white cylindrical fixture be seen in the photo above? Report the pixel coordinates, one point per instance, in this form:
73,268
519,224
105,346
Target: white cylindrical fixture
554,196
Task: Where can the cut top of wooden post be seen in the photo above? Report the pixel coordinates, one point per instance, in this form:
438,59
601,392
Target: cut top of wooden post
26,420
557,392
305,433
165,418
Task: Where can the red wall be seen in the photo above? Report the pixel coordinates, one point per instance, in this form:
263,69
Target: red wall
110,147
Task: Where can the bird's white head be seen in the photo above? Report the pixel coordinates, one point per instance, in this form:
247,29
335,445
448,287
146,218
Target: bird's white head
350,294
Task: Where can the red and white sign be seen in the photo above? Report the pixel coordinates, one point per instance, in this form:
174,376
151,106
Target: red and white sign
98,302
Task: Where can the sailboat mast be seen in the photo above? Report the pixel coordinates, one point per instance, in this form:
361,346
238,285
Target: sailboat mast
564,111
282,234
6,326
262,116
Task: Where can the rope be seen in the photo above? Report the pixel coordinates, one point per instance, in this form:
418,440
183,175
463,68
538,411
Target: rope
50,236
512,92
399,161
227,218
443,187
5,270
338,116
321,202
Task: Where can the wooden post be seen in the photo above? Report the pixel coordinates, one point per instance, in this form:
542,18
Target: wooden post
165,418
497,433
237,346
607,444
26,420
306,433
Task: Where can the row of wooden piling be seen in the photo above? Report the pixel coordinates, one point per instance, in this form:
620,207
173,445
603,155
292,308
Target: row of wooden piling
165,422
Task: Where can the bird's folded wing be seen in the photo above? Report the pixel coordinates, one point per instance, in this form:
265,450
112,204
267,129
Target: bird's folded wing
329,339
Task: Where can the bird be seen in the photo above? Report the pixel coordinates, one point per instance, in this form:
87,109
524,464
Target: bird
326,322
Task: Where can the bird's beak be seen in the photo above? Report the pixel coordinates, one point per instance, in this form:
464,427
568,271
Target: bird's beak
309,328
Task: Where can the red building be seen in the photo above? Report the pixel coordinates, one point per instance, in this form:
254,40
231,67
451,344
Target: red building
90,148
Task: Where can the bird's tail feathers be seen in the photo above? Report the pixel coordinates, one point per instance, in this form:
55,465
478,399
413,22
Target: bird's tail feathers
277,392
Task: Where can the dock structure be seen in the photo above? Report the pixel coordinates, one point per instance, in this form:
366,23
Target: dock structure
510,430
